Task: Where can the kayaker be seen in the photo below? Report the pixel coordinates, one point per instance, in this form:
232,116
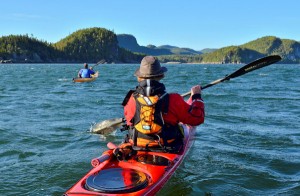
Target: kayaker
85,72
153,115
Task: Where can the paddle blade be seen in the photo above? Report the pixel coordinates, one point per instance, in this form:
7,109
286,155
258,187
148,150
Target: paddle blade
101,62
255,65
107,126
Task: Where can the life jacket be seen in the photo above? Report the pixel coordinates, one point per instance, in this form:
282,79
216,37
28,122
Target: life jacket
149,129
148,113
85,73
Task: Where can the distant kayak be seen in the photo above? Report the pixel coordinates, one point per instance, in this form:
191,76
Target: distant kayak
93,78
143,174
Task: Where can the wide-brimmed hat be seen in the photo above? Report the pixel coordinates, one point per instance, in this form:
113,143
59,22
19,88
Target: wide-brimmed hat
149,68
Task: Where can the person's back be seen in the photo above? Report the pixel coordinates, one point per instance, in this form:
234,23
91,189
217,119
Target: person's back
172,108
86,72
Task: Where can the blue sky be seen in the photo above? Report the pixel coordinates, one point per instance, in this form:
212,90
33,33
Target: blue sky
195,24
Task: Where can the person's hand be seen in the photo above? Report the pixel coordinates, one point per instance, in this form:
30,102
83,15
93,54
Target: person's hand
124,151
196,90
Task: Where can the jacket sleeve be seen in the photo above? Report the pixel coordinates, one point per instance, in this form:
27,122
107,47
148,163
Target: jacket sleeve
129,110
191,112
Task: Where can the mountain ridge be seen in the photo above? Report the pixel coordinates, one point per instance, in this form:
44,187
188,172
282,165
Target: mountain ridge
94,44
129,42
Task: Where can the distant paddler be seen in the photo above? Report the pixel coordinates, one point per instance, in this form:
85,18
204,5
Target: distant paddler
86,72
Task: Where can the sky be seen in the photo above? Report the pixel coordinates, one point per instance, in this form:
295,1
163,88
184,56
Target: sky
195,24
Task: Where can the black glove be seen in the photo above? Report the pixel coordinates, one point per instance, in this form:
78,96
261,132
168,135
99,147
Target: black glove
124,151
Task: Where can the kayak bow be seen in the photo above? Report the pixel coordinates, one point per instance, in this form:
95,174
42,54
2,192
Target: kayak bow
143,174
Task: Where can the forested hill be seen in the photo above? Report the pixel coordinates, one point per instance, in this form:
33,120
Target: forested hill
94,44
89,45
86,45
22,48
289,50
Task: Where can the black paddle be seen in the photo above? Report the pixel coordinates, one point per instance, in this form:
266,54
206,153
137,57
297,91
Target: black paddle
257,64
112,124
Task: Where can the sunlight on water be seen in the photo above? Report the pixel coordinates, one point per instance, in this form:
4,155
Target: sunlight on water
248,145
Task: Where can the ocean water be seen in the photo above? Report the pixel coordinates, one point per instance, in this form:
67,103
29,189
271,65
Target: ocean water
249,143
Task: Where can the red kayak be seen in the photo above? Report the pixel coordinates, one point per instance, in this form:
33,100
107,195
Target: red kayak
143,174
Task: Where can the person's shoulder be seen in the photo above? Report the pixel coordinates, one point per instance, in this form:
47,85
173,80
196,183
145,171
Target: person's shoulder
175,95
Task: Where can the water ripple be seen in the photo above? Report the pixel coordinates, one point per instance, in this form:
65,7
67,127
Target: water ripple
248,145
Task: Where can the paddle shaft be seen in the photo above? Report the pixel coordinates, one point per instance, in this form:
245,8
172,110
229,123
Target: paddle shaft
257,64
100,62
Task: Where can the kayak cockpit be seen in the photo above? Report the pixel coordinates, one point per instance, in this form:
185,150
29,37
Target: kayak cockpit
117,180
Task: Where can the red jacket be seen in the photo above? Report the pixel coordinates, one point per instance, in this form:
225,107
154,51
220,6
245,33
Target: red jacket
190,112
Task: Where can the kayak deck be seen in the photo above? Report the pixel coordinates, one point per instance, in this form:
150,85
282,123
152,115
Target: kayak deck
143,174
93,78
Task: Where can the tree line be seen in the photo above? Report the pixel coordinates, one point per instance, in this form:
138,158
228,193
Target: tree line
94,44
86,45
